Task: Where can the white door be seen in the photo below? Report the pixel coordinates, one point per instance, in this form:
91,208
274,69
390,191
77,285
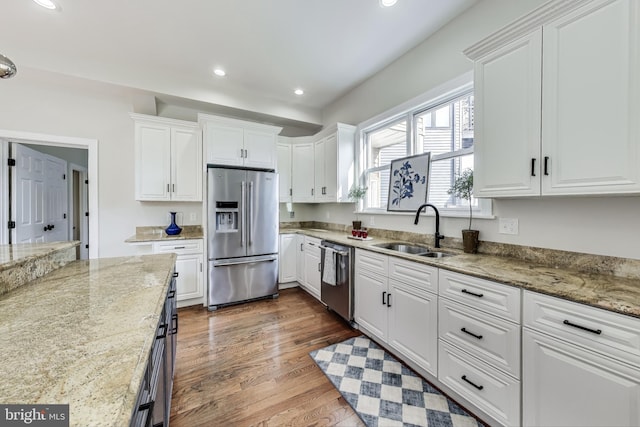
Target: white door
56,191
287,258
153,162
371,310
186,165
413,324
312,268
302,175
318,170
591,100
564,385
260,149
189,280
284,172
28,196
224,144
299,258
39,197
331,168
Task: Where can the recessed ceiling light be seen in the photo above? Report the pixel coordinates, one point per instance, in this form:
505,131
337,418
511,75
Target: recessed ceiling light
387,3
298,92
47,4
219,72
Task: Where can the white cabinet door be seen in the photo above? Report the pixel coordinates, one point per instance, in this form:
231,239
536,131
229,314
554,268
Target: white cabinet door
507,120
225,144
153,161
260,149
312,268
413,324
302,175
300,258
591,100
189,280
284,172
371,310
287,258
318,170
186,165
331,169
564,385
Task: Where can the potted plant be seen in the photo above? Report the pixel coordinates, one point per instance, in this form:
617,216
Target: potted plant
356,194
463,188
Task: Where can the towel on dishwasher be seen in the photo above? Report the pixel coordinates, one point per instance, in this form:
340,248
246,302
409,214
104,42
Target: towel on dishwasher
329,268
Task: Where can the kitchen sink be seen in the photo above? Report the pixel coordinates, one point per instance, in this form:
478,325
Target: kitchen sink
412,249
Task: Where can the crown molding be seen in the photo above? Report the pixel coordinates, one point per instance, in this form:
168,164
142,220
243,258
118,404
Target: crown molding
523,26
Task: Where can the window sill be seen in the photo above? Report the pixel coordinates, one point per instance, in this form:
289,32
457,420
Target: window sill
443,213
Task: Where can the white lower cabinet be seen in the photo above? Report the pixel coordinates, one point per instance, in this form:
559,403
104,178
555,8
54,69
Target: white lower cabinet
287,258
580,366
398,309
311,281
300,258
189,268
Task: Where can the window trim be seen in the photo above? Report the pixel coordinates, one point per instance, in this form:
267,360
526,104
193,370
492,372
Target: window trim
441,94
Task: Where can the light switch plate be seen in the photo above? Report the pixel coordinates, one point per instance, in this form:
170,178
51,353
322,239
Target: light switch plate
508,226
193,216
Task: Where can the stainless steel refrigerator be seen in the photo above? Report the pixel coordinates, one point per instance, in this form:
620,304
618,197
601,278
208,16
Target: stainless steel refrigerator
242,235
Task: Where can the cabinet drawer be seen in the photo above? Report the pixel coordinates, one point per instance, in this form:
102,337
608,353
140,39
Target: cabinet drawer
179,247
312,245
495,298
489,389
415,274
494,340
590,327
371,263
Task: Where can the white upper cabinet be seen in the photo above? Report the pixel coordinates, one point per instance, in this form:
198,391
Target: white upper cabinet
284,170
557,96
231,142
302,180
168,159
334,173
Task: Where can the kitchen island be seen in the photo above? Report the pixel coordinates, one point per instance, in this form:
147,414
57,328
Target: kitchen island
81,335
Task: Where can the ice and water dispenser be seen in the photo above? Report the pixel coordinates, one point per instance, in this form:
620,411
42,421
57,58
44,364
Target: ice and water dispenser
226,217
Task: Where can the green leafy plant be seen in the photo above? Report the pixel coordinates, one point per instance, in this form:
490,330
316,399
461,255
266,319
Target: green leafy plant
356,194
463,188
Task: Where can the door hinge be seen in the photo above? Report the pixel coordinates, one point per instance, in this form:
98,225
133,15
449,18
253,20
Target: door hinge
11,224
11,162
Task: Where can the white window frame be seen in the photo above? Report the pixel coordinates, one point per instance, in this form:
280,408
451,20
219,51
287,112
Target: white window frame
442,94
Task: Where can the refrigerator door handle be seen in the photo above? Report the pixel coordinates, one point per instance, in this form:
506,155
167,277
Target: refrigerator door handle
242,212
250,216
243,261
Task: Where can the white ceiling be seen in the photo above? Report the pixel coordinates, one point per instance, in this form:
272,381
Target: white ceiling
267,47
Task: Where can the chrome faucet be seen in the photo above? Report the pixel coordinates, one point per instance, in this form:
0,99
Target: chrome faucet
438,236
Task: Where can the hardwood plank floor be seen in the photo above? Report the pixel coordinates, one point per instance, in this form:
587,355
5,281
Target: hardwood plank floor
249,365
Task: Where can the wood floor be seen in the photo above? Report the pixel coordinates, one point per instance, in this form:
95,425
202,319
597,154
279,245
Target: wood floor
249,365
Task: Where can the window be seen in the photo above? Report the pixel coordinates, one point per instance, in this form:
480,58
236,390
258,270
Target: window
445,129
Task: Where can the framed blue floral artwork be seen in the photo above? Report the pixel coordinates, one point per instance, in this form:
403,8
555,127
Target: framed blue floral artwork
408,183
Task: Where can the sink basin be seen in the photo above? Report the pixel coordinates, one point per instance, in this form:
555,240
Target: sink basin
404,248
435,254
413,250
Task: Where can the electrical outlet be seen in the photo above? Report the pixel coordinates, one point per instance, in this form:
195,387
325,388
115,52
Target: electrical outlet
292,214
508,226
372,220
193,216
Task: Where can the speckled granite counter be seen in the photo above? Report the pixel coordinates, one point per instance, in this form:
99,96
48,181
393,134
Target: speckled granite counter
618,294
23,262
156,234
82,334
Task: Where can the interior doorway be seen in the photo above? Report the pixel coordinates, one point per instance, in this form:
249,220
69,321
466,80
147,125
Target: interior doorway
87,200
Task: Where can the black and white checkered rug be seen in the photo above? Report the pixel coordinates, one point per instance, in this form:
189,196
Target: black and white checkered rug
383,391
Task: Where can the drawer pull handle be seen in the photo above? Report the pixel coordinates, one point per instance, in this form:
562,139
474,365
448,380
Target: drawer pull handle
384,302
389,300
479,387
584,328
464,291
178,247
471,333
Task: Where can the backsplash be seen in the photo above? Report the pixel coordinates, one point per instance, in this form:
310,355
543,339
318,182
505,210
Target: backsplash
587,263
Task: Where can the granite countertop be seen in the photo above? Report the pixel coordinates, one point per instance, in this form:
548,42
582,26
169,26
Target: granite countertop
157,234
81,335
617,294
15,254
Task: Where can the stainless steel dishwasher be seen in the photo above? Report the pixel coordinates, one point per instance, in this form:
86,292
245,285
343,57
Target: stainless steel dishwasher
336,289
